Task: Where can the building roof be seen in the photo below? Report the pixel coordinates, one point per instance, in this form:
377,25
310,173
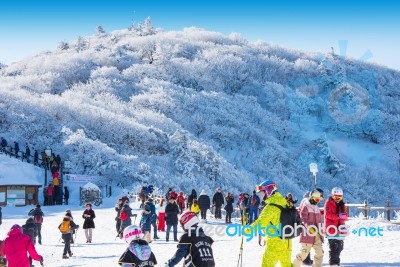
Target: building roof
14,172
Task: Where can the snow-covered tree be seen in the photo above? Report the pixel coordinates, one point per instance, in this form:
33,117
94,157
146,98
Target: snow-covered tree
100,30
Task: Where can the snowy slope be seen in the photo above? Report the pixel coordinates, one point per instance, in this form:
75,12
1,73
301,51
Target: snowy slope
105,249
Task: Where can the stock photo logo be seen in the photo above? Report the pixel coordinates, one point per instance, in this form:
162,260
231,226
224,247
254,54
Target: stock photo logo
340,97
367,231
286,232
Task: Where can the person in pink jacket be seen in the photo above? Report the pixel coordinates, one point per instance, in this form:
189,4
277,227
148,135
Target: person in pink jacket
310,237
16,247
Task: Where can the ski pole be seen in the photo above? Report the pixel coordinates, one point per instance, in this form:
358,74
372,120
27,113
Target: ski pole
240,259
118,234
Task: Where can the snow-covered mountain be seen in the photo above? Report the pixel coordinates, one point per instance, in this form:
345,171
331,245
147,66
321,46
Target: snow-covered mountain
195,108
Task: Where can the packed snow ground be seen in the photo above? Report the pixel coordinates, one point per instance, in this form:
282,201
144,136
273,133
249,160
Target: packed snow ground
106,249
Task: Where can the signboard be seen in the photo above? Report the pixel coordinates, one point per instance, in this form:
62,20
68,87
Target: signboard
16,201
80,178
16,195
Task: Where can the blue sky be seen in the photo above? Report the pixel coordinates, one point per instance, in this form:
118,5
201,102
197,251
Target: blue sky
28,27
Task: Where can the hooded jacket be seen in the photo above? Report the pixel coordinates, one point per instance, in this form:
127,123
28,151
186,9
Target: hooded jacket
16,246
310,216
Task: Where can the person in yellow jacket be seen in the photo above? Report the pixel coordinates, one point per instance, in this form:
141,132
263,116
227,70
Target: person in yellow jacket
195,207
276,249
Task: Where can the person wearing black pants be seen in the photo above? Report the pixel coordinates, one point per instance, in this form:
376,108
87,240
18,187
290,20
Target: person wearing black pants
335,215
66,195
229,207
204,204
118,208
335,248
218,201
67,235
171,218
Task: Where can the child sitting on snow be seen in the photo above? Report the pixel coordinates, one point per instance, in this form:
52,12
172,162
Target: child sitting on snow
138,252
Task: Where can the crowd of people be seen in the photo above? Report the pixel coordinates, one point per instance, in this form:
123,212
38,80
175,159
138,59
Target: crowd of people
194,246
333,216
19,246
255,210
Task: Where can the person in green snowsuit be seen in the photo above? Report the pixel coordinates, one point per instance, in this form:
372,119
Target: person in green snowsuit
276,249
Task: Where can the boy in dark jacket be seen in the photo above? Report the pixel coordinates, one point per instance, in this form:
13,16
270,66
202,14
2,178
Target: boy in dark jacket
138,252
194,245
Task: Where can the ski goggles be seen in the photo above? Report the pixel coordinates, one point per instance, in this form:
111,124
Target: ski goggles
317,197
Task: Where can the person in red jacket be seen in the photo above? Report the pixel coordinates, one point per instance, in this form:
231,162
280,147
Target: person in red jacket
181,202
173,194
335,216
16,246
50,193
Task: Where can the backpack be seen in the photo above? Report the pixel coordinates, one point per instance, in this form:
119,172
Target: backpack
65,227
289,217
38,218
253,201
123,215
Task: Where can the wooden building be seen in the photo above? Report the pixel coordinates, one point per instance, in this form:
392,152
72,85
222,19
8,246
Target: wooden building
19,192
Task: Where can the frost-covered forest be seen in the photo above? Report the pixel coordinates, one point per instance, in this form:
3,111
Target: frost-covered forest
195,108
